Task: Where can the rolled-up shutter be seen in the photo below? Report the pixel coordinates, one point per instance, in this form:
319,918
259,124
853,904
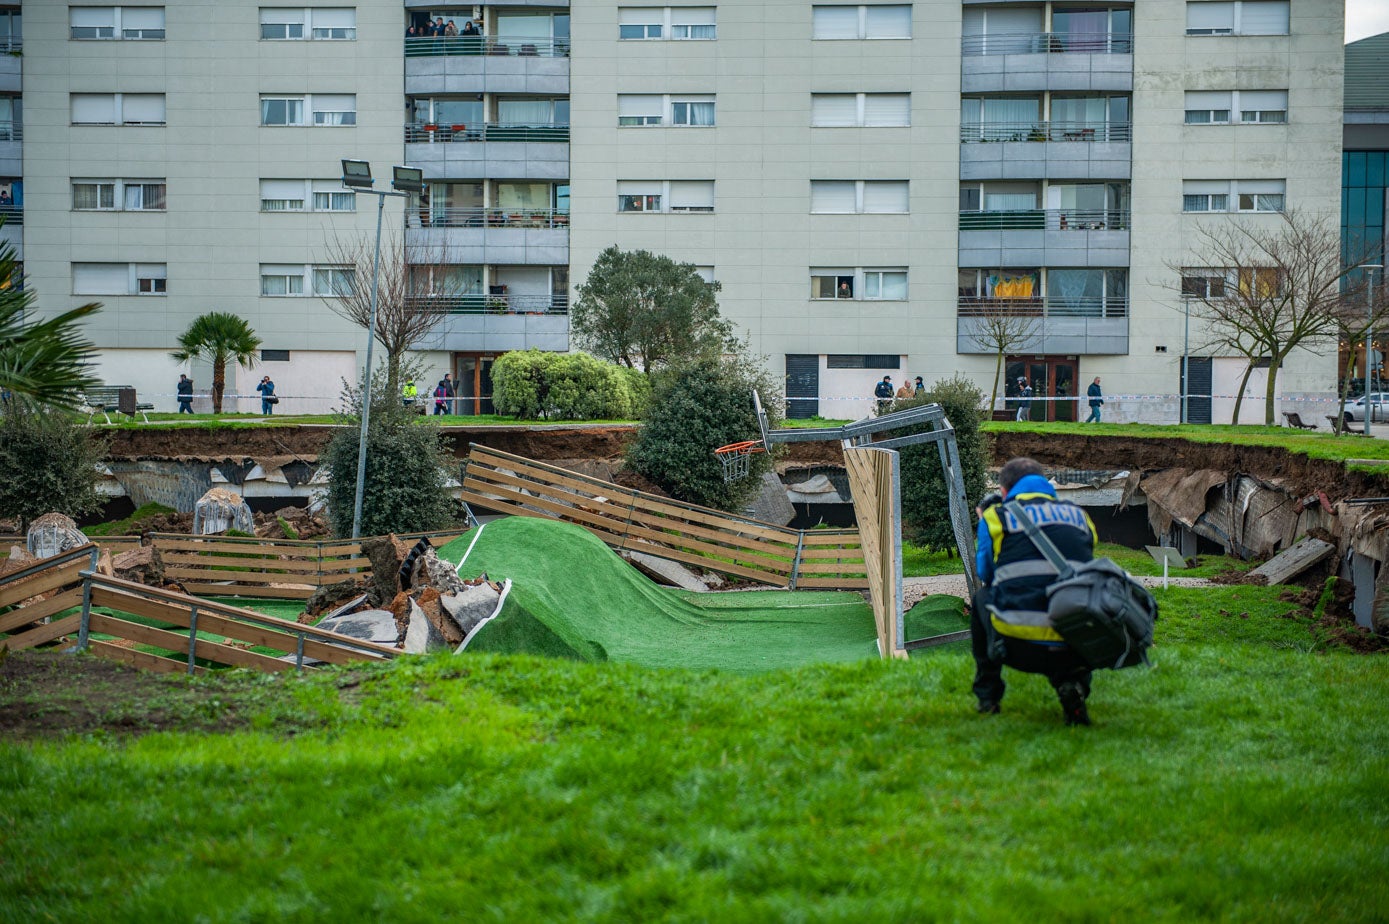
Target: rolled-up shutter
832,197
833,109
889,22
883,197
835,22
142,108
94,108
101,279
887,109
1263,17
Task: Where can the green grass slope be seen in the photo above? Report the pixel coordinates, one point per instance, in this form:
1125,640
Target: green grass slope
574,597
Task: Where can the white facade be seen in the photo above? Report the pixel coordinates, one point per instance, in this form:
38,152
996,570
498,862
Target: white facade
837,166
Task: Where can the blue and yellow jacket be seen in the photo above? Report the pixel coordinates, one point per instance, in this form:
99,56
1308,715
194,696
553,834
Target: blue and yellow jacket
1015,571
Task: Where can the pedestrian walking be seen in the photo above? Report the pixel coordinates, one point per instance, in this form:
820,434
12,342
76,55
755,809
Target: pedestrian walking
1096,401
1024,399
185,394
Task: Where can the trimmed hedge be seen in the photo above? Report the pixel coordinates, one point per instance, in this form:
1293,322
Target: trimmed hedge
534,384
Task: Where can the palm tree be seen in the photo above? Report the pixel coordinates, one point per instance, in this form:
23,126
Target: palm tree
45,361
220,337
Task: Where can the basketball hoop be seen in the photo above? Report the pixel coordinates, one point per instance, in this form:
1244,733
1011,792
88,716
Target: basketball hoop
736,458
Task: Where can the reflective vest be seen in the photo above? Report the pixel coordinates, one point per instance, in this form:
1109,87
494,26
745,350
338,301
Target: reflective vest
410,390
1018,593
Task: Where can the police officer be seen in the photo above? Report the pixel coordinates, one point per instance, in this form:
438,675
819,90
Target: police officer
1008,625
409,393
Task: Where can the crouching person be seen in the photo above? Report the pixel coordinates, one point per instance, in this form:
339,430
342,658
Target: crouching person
1009,625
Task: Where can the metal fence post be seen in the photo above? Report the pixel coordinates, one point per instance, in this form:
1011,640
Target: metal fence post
85,630
192,636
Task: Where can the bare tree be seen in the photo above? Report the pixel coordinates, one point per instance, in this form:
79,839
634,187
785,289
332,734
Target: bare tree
1004,326
1362,313
1269,289
415,292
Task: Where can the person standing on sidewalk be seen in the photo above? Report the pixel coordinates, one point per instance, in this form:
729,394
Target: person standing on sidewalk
267,396
1096,401
185,394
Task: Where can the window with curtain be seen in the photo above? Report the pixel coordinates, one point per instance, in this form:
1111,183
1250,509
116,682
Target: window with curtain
329,196
1262,106
333,281
1078,111
999,119
277,279
90,195
334,109
281,24
333,23
1259,195
282,195
1001,31
1208,107
144,197
638,196
692,112
885,284
1075,292
1009,197
281,110
689,23
523,195
645,109
530,112
1205,195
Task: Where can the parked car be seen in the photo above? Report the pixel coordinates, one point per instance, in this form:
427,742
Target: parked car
1378,402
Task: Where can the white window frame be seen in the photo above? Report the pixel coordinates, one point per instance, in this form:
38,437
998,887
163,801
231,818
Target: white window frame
1208,277
1243,196
331,273
648,117
665,23
316,23
287,191
1230,107
861,105
1237,18
863,33
136,279
859,278
289,272
861,189
118,106
661,192
310,111
151,279
111,187
119,29
336,194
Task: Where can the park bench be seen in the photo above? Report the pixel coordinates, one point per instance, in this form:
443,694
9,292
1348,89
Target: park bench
1337,424
106,399
1295,420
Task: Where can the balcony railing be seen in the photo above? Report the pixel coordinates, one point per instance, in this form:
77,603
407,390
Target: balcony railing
487,218
11,131
486,131
491,304
1046,220
1032,43
12,214
495,45
975,132
1112,306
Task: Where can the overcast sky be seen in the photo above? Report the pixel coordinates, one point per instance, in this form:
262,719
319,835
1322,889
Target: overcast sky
1365,18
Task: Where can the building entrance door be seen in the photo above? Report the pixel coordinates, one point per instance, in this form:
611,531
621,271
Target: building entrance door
1050,377
473,373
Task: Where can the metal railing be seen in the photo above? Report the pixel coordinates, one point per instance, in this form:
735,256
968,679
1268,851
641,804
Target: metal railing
486,45
1113,306
491,304
11,131
429,133
1046,220
12,46
1032,43
425,217
974,132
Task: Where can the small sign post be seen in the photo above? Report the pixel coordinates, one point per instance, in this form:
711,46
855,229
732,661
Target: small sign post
1167,557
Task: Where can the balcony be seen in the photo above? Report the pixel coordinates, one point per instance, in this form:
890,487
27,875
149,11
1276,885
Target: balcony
10,62
1045,237
12,231
1010,62
1072,325
502,322
496,150
492,64
1054,150
497,304
523,237
11,149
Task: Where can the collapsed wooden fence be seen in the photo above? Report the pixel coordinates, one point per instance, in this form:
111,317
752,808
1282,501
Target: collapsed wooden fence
26,626
634,521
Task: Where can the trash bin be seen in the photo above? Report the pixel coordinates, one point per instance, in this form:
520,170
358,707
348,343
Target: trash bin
125,401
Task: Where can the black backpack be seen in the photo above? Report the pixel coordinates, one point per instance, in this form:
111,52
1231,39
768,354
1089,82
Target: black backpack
1101,612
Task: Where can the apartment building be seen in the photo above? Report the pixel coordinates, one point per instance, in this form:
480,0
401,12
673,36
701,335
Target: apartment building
870,183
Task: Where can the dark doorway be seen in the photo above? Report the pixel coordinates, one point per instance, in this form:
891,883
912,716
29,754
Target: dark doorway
473,372
1049,377
1198,396
802,385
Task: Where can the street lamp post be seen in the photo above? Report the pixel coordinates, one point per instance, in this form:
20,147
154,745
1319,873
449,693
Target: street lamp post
1369,344
356,176
1186,354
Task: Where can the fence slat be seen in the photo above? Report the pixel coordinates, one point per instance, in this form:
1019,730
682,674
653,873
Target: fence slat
140,659
41,610
45,633
43,581
208,560
174,642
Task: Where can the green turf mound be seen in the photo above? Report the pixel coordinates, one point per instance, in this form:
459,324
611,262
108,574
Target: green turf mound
573,597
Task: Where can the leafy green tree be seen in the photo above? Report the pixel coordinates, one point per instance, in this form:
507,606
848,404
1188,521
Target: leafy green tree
407,468
568,386
925,501
694,410
47,464
647,311
46,361
221,337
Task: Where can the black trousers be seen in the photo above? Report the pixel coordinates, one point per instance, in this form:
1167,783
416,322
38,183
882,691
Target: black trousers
1057,662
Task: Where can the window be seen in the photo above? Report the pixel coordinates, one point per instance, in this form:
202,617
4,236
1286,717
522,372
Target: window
327,109
665,196
334,281
1237,17
831,283
682,23
837,110
849,197
303,195
132,23
862,22
1245,195
651,109
298,23
274,356
282,195
1203,283
1216,107
281,279
117,108
862,361
119,278
329,196
93,195
859,283
1260,281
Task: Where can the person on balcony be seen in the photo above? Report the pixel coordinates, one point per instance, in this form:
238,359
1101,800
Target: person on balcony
437,27
470,28
450,29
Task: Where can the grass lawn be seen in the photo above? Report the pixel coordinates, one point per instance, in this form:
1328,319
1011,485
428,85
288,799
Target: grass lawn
1241,779
244,421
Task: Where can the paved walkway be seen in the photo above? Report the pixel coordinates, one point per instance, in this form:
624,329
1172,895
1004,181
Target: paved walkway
914,588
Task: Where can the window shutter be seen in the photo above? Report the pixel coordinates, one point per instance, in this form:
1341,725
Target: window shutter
835,22
1208,17
142,17
146,108
889,22
1005,21
334,18
151,271
638,105
281,15
334,102
1263,17
94,108
691,16
639,16
1205,187
1208,99
101,279
1264,187
93,16
692,195
282,189
832,197
1263,99
881,197
833,109
887,109
638,187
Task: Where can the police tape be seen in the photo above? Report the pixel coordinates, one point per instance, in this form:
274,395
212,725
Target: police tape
1108,398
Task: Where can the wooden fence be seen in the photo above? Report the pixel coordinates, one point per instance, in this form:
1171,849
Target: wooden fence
874,479
635,521
25,626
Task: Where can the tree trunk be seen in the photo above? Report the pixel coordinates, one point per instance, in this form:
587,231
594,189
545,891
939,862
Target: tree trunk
1271,392
1239,394
219,383
993,396
1345,391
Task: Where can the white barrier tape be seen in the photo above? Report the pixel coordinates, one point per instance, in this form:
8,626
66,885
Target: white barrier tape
1112,397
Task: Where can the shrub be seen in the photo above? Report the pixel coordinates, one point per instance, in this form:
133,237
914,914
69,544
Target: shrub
693,411
406,474
533,384
925,497
47,464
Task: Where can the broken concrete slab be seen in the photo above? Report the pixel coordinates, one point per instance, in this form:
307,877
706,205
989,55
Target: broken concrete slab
771,505
423,636
368,625
471,605
667,572
1293,561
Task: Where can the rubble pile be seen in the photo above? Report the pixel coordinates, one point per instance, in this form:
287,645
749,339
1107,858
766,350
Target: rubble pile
220,510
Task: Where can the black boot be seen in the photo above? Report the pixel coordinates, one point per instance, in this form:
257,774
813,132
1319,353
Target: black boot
1072,696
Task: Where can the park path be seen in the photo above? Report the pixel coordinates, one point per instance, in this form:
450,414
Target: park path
914,588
